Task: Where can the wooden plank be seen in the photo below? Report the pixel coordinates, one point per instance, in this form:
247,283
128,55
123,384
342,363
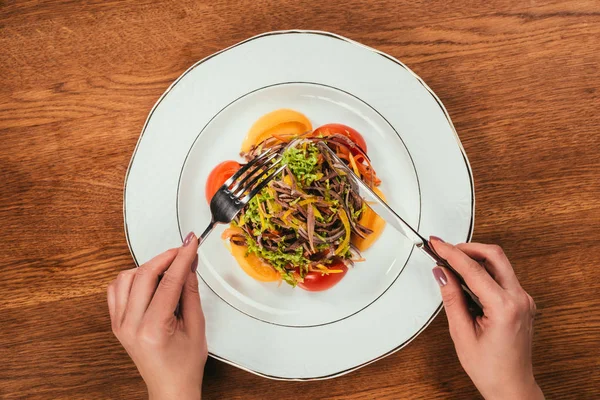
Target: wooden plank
521,81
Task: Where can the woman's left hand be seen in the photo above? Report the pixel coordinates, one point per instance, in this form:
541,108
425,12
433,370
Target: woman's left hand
161,324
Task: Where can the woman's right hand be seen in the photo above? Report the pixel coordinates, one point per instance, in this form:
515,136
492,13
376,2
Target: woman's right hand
494,349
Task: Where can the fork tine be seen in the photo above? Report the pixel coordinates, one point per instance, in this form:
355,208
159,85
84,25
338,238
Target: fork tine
250,174
245,186
261,185
246,167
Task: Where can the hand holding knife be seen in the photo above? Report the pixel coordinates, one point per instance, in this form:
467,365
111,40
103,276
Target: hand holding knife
381,208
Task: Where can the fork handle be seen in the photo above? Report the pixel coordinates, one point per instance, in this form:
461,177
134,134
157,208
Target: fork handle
206,232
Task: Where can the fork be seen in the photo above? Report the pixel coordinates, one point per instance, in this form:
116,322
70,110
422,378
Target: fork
238,190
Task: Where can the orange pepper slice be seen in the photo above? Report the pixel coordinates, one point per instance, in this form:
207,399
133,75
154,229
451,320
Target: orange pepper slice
253,266
282,124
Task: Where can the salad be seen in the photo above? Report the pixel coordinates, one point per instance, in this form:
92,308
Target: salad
308,225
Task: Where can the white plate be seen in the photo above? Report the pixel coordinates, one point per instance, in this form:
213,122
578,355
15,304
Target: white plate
381,304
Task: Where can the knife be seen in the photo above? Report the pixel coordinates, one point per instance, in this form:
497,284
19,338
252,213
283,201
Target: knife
381,208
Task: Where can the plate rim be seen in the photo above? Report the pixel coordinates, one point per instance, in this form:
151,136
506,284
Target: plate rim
351,41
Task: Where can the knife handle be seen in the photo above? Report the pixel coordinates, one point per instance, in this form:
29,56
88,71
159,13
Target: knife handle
474,303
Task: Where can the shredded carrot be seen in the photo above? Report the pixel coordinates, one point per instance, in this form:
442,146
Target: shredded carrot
286,214
297,224
326,271
307,201
342,150
317,212
343,157
261,214
366,171
274,206
346,240
318,268
282,137
353,164
359,158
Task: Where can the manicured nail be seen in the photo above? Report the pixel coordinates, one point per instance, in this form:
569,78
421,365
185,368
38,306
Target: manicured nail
195,264
434,238
440,276
188,238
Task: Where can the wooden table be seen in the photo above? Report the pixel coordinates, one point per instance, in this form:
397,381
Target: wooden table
521,81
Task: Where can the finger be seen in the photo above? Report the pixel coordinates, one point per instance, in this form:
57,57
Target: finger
145,283
460,321
190,306
495,261
123,285
169,290
110,298
475,276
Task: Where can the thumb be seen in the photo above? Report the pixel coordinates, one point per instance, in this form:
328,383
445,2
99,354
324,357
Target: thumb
460,321
191,309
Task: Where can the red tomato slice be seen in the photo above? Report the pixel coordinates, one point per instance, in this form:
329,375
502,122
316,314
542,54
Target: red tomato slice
350,133
316,282
218,176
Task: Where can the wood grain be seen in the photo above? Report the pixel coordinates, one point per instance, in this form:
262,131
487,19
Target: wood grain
521,81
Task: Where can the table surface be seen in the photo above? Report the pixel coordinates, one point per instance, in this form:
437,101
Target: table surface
521,81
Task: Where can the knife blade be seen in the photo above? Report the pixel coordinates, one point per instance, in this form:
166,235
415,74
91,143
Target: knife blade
382,209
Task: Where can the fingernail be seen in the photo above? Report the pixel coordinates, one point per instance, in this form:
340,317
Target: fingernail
188,238
435,238
195,264
440,276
